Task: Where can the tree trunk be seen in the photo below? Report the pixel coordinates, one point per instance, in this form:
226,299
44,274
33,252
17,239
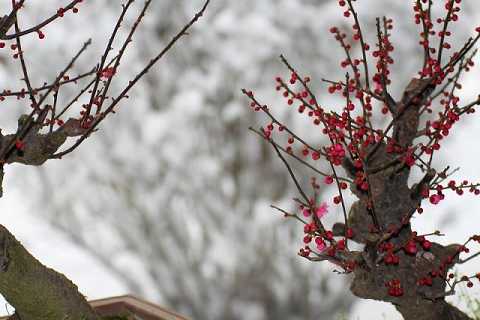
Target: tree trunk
416,283
37,292
430,310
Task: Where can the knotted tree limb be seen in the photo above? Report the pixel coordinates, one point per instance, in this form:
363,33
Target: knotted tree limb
394,203
34,148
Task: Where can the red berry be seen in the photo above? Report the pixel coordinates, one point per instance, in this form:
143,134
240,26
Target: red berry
426,245
411,247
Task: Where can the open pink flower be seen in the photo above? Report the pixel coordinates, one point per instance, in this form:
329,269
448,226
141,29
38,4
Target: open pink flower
320,244
322,210
435,199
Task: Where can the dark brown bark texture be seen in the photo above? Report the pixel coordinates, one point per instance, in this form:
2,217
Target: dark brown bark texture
387,218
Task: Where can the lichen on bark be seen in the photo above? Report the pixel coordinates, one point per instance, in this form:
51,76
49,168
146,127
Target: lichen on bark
36,291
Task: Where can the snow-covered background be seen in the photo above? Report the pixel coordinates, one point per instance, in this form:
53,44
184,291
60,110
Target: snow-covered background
170,200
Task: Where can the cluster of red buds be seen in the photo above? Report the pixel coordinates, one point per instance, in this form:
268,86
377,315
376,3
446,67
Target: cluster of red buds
394,288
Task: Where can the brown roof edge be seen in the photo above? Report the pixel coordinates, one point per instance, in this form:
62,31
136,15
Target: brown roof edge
140,307
129,304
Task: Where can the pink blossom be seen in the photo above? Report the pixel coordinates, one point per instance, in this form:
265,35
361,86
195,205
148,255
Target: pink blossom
320,244
328,180
107,72
322,210
306,212
435,199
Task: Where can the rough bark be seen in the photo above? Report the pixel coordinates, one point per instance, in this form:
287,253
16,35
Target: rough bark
388,220
36,291
421,310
